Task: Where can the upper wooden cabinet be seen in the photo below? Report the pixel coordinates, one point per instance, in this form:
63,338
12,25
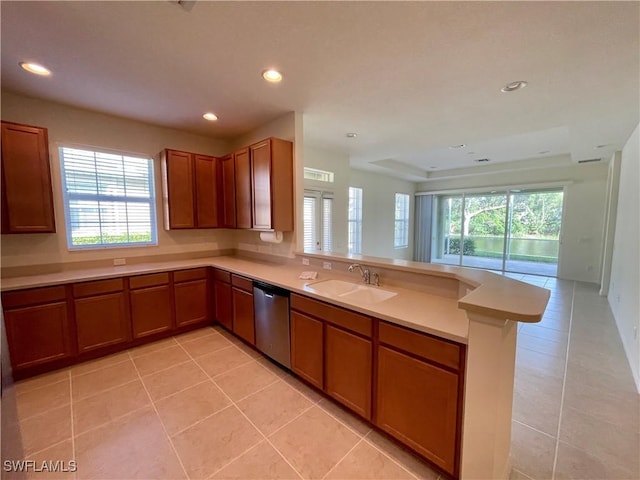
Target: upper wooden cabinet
228,187
242,163
272,185
190,184
27,199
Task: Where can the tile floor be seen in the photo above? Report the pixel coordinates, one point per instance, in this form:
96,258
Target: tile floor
203,405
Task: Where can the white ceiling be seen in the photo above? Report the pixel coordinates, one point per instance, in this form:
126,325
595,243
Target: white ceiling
410,78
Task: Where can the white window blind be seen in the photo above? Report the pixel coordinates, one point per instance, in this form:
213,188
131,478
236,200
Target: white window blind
109,198
317,220
355,220
401,231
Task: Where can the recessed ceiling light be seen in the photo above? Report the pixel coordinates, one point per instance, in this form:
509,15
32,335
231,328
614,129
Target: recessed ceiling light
462,145
35,68
351,135
513,86
272,76
212,117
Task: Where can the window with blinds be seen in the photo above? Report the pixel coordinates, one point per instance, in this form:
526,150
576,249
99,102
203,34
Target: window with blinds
317,221
355,220
401,231
109,199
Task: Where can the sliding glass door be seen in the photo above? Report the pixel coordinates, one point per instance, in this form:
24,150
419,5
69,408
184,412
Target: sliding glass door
512,231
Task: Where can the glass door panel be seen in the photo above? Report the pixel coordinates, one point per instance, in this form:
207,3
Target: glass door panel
533,242
446,229
484,230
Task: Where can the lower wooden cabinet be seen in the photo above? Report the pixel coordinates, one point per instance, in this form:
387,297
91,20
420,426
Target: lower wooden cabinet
243,313
348,369
307,341
38,334
223,304
101,321
150,300
191,302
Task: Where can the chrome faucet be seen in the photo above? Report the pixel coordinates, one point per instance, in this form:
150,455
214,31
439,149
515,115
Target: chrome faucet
364,272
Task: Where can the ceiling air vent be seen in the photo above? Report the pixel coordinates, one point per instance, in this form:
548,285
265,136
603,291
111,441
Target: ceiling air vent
591,160
481,160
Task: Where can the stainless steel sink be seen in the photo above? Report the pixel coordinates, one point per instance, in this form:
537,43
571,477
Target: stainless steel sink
351,291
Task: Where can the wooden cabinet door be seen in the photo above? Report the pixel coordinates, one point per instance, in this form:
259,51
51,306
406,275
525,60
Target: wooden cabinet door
243,189
228,185
243,315
224,310
191,302
180,184
348,369
261,184
150,310
101,321
282,183
417,403
38,334
27,199
306,348
206,192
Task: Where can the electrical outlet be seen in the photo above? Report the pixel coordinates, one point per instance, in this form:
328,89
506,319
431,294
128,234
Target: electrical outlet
305,261
326,265
119,261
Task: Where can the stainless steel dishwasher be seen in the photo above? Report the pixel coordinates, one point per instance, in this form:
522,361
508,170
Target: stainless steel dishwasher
271,309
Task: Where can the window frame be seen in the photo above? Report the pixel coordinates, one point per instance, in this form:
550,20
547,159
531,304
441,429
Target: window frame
401,223
68,196
354,224
322,225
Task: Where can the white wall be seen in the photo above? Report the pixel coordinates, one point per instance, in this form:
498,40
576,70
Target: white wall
72,125
624,290
584,209
338,163
378,213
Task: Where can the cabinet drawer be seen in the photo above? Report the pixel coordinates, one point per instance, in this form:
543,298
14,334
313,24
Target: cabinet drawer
421,344
99,287
33,296
338,316
188,275
242,283
221,275
151,280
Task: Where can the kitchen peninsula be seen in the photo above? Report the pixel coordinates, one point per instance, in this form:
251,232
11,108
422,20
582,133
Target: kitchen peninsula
455,325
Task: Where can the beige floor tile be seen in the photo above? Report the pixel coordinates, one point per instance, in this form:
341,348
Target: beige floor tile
245,380
310,392
541,345
194,334
39,400
537,404
262,462
272,366
106,406
54,463
538,331
576,464
248,350
409,461
540,364
615,382
160,360
274,406
167,382
40,381
532,452
518,475
211,444
343,415
185,408
152,347
88,384
611,443
314,442
98,363
45,430
367,462
205,345
223,360
132,447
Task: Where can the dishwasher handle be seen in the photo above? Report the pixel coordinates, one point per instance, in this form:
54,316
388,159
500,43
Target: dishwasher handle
270,290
